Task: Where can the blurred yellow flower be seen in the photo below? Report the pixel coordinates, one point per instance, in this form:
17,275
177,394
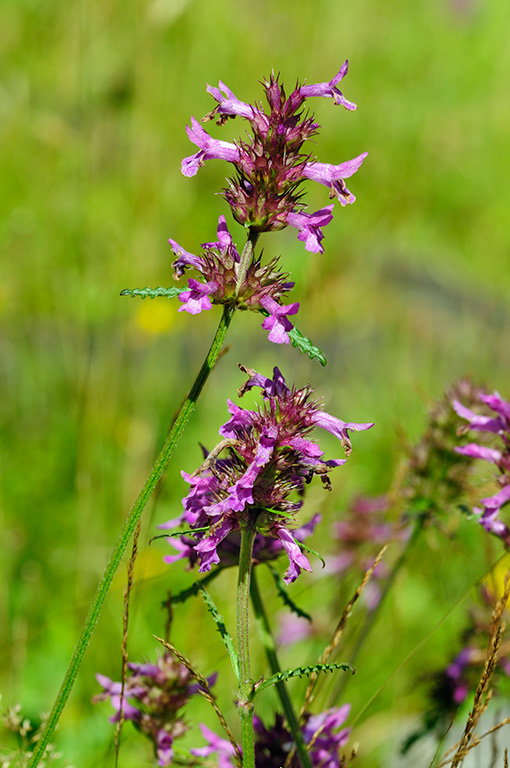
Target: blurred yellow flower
495,581
156,316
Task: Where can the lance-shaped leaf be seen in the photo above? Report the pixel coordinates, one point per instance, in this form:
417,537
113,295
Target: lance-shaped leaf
152,293
195,588
305,345
282,592
218,618
310,669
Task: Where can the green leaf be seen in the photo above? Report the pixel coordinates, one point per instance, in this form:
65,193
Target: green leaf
218,618
285,595
312,551
300,672
302,342
305,345
152,293
195,588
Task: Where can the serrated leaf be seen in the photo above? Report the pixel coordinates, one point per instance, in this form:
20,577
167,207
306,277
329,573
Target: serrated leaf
286,597
305,345
312,551
195,588
218,618
152,293
310,669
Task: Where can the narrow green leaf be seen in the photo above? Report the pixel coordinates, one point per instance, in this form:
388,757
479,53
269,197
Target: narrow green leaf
218,618
152,293
300,672
187,532
195,588
302,342
285,595
305,345
312,552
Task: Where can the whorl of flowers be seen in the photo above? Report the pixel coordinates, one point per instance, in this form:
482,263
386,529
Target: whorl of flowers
154,695
265,192
498,424
267,459
272,745
437,476
261,288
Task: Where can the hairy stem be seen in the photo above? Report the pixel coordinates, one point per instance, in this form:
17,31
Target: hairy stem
243,647
281,688
127,531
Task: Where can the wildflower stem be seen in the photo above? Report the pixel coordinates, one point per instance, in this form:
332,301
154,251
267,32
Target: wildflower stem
270,649
246,258
127,531
243,646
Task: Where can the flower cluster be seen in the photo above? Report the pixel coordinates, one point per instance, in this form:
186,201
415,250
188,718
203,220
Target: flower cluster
272,745
266,190
154,695
436,477
497,423
260,482
261,288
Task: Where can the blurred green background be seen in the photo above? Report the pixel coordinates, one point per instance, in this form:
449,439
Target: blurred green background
411,293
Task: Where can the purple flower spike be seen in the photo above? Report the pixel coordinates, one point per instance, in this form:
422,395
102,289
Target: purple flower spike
273,744
256,477
277,323
500,426
154,696
263,286
270,166
330,89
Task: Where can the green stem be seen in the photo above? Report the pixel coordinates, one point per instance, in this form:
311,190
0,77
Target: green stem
372,616
270,649
243,646
127,530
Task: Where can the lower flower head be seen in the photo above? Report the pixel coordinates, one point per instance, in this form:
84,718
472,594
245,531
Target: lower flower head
273,744
257,474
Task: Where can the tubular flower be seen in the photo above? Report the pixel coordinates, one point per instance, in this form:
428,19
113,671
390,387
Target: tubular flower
260,481
154,695
272,745
265,192
498,424
261,290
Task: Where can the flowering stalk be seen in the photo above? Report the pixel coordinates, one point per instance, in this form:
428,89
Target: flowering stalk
127,531
248,532
283,694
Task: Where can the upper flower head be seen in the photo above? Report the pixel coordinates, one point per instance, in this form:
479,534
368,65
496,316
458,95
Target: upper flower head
261,480
270,167
497,423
